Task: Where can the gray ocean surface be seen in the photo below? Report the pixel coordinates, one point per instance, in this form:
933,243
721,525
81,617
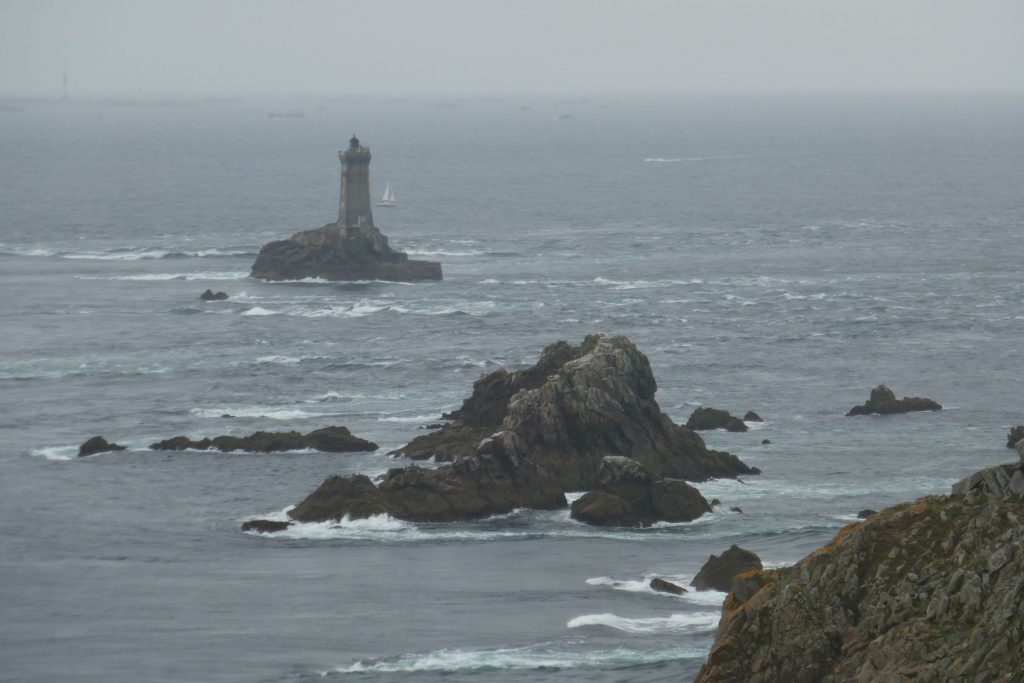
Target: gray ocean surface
781,254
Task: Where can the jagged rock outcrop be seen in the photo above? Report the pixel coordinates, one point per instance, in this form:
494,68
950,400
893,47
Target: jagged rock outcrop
629,496
327,439
210,295
1014,436
336,252
751,416
575,406
884,402
712,418
491,481
98,444
927,591
718,572
265,526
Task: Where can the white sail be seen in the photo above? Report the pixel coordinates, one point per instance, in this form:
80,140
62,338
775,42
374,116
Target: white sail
389,196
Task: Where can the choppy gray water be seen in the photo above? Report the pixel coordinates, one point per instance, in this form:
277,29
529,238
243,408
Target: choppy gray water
777,254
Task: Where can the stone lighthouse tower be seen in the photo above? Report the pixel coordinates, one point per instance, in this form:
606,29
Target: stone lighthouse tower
355,186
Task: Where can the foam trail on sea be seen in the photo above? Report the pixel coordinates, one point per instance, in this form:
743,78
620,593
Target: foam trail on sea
681,622
704,598
55,452
553,655
262,411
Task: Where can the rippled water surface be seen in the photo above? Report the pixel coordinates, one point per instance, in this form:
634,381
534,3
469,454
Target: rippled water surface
780,255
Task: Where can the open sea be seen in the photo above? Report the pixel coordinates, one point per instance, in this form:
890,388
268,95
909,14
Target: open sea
780,253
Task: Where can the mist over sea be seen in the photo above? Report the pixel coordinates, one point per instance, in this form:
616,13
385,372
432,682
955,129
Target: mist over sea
781,253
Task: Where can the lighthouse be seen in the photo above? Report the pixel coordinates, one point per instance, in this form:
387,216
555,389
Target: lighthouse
354,210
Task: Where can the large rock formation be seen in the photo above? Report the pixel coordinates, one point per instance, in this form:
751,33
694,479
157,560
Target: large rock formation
1014,436
336,252
718,572
524,438
98,444
928,591
629,496
327,439
574,407
884,402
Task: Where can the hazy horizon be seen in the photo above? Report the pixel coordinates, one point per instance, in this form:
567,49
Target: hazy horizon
232,49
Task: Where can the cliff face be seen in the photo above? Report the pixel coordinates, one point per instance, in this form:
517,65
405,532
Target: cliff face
334,252
926,591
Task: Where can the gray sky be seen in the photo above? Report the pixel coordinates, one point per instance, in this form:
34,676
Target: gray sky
153,48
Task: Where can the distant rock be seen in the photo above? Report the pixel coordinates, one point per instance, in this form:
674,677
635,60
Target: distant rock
575,406
864,514
1015,435
765,442
210,295
883,402
663,586
327,439
524,438
265,526
718,572
931,590
336,252
736,509
98,444
712,418
628,495
751,416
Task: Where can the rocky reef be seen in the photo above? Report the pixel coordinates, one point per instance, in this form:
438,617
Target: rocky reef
524,438
1014,436
98,444
210,295
327,439
337,252
884,402
718,572
712,418
928,591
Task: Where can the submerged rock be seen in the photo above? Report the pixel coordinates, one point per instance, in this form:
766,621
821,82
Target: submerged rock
663,586
718,572
265,526
931,590
629,496
1014,436
327,439
524,438
883,402
712,418
751,416
210,295
575,406
338,252
98,444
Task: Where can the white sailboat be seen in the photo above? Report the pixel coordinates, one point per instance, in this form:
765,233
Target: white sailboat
389,198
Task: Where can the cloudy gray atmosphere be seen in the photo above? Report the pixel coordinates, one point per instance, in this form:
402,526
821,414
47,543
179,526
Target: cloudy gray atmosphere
771,206
128,48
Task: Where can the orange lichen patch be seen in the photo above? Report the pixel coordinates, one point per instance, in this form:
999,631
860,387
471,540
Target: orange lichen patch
831,545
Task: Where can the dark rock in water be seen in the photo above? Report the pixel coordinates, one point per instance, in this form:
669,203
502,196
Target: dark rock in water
435,425
629,496
864,514
575,406
327,439
663,586
931,590
883,402
523,438
210,295
736,509
765,442
98,444
337,252
718,572
265,526
1015,435
715,502
712,418
751,416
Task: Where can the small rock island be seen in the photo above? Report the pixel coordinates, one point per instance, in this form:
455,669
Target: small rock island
350,249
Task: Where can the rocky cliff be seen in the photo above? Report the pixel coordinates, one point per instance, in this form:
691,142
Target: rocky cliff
336,252
926,591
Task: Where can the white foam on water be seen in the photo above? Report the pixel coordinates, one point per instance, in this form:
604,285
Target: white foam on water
703,598
369,528
674,623
259,310
279,360
335,396
56,452
415,418
162,277
541,656
644,284
271,413
440,252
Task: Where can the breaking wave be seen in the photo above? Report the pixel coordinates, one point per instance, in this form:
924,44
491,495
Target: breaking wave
674,623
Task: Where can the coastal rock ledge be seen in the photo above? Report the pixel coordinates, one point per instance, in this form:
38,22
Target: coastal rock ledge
525,438
926,591
338,252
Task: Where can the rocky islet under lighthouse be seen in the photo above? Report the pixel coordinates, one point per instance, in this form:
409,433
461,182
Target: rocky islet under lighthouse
350,249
